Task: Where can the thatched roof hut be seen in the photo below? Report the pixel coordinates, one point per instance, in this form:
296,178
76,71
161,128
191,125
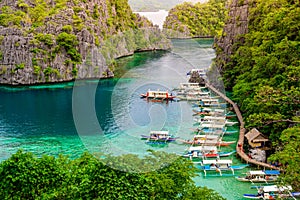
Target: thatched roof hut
256,138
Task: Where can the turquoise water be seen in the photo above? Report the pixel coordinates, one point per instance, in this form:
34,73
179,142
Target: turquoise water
108,115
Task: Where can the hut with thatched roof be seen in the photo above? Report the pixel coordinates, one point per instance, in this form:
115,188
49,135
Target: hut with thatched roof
256,139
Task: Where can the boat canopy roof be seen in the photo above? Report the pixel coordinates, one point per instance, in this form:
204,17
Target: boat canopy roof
157,91
209,125
206,162
275,188
203,148
272,172
206,136
210,100
257,172
215,118
159,132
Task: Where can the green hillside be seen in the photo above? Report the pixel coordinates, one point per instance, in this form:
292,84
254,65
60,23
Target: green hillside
264,74
200,19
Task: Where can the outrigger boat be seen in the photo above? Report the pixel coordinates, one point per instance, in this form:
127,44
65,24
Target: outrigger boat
201,72
205,152
190,86
210,102
209,111
159,136
190,97
219,165
162,95
215,120
260,176
208,140
212,128
273,192
206,111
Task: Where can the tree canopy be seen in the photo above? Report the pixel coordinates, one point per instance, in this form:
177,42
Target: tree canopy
264,75
200,19
24,176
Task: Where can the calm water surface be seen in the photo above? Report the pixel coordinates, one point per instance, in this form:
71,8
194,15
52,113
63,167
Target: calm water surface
108,115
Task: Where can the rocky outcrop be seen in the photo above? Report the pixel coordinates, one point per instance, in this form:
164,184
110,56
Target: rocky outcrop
235,27
58,41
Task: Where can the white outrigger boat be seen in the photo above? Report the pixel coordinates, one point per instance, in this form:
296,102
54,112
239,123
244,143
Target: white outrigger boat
260,176
162,95
200,152
219,165
215,120
208,140
211,102
159,136
190,86
273,192
212,128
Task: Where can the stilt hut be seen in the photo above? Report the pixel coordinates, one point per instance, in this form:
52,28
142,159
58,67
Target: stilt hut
256,139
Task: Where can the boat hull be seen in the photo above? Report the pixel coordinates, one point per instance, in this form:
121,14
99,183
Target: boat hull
158,97
252,196
209,143
170,139
210,155
262,180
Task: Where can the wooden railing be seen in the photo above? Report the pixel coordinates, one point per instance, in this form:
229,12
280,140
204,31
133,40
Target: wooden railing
240,143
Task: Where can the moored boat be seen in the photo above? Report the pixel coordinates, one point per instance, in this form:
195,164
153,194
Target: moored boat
215,120
195,152
162,95
260,176
219,165
159,136
273,192
208,140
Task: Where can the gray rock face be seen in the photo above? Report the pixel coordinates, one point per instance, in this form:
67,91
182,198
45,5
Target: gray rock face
32,54
236,25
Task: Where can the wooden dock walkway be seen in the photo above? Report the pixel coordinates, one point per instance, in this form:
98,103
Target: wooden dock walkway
240,143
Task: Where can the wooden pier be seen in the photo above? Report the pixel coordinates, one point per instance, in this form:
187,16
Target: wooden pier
240,143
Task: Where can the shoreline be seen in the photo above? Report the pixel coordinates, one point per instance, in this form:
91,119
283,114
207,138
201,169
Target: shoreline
72,81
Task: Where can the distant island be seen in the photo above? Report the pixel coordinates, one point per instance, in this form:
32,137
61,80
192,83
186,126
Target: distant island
156,5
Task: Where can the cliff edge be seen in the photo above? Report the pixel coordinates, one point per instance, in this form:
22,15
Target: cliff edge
45,41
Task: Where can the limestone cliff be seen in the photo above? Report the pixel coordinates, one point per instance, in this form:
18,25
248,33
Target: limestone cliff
235,26
44,41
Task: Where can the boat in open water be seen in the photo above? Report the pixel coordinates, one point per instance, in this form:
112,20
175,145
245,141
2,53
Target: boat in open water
159,136
157,94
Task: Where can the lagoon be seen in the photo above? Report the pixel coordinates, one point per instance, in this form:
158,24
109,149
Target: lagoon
108,116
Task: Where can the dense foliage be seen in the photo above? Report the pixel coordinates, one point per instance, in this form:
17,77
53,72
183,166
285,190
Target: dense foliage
24,176
200,19
264,74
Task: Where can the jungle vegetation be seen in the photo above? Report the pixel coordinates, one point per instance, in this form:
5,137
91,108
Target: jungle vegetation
157,176
200,19
264,75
